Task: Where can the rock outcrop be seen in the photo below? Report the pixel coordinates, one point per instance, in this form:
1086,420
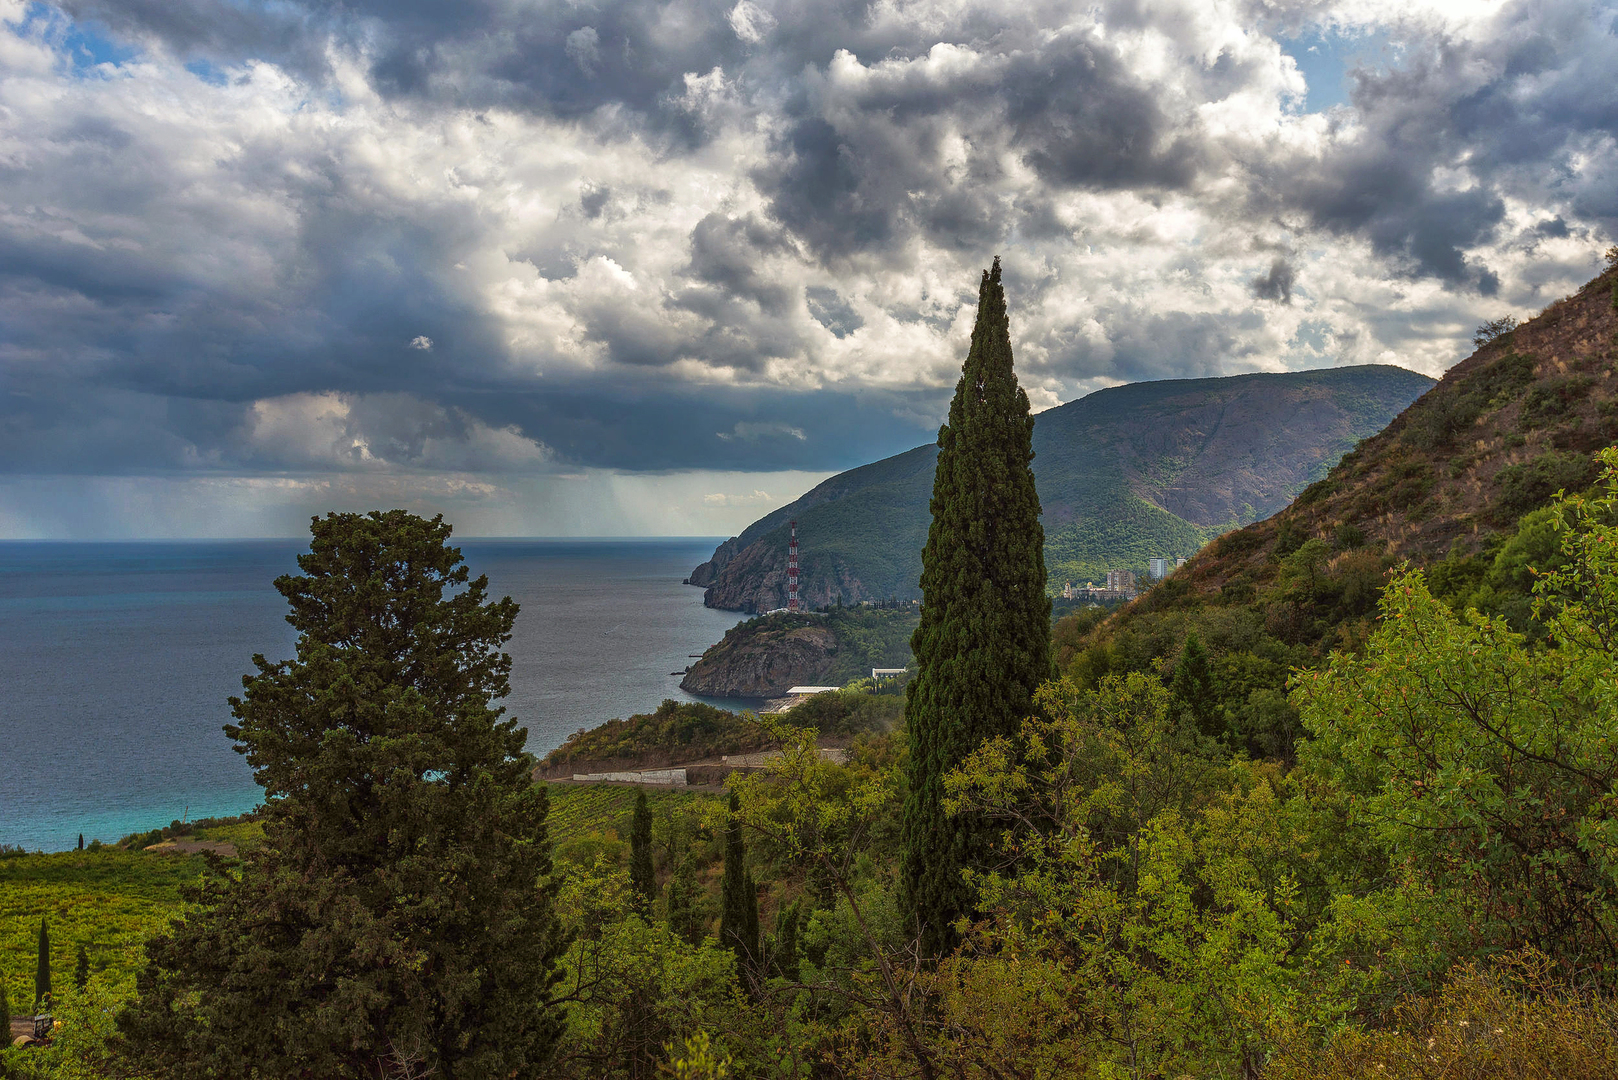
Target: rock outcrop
763,663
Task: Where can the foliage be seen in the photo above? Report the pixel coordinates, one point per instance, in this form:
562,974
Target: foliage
1499,580
1452,408
738,900
821,818
395,918
228,829
698,1060
1530,485
1514,1020
983,645
1486,766
583,810
1494,328
1146,916
106,900
1124,533
689,730
633,987
78,1047
642,874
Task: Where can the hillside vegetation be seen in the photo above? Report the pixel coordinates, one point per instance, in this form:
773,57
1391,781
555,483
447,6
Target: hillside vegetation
766,655
1458,485
1124,474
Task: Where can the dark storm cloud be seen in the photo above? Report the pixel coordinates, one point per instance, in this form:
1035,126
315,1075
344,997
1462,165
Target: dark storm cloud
730,253
157,288
1276,283
1511,111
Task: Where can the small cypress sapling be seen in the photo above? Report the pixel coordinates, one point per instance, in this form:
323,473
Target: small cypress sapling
42,968
680,909
738,916
642,873
81,969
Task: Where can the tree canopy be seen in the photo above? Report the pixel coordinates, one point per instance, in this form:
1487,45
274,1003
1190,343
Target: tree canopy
398,917
983,644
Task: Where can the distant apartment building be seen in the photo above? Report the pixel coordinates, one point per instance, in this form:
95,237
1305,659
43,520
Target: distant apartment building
1121,581
1179,562
1158,568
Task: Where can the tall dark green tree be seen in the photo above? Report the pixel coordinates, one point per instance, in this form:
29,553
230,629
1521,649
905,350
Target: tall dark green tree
1194,688
642,873
5,1009
398,918
42,968
983,645
81,969
738,912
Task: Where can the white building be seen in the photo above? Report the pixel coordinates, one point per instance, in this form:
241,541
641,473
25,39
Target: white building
1158,568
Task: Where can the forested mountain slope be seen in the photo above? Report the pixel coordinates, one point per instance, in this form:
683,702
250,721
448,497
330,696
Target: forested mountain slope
1124,474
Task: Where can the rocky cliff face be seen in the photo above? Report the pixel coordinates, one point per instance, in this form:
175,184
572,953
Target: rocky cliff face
755,579
763,663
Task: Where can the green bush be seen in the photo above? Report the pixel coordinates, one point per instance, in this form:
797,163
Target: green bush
1529,486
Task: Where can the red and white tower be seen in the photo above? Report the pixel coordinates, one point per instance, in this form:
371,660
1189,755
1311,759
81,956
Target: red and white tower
792,570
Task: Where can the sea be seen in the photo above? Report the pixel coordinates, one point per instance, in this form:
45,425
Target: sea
116,660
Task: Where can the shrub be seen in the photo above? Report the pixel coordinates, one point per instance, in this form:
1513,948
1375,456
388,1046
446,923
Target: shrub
1512,1020
1525,487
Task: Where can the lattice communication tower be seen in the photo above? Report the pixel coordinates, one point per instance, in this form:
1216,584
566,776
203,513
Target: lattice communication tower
792,570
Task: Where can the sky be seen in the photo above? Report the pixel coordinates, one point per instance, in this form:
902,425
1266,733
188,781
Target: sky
614,267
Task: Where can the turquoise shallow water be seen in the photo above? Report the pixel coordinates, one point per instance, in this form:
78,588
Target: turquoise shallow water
116,660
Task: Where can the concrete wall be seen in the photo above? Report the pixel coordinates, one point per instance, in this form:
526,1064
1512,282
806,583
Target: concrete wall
646,776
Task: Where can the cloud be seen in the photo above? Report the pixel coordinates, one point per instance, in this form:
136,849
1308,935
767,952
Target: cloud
750,22
380,239
583,46
749,431
1276,284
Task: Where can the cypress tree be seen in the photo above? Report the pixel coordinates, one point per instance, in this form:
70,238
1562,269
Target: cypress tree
684,921
42,968
5,1011
983,645
398,917
738,913
1193,687
81,969
642,874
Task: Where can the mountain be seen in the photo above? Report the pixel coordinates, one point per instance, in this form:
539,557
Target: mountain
1124,474
1449,481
